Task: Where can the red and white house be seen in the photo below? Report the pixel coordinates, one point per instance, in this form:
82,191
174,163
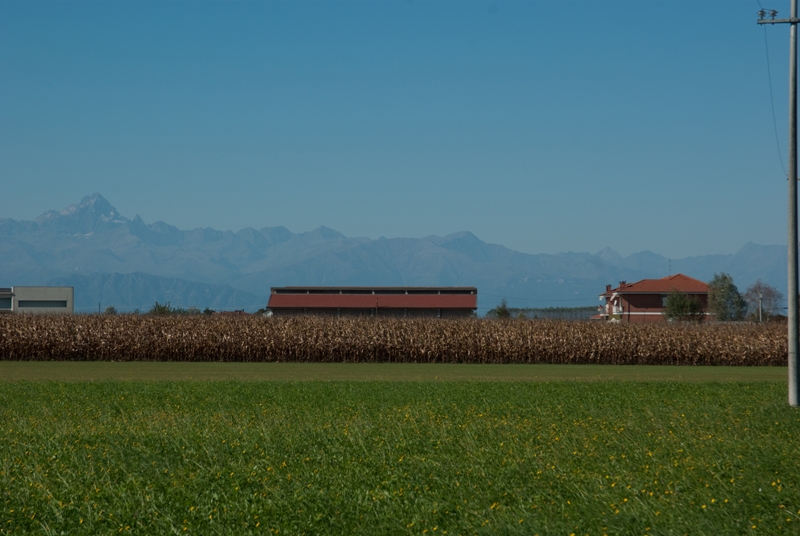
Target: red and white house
643,302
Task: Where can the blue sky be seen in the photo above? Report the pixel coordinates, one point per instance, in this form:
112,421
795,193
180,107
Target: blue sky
542,126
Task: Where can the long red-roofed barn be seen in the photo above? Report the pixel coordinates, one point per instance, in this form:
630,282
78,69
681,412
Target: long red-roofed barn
643,302
431,302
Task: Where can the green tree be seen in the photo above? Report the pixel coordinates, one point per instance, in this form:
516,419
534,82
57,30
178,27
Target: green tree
683,308
161,309
165,309
501,311
724,299
110,310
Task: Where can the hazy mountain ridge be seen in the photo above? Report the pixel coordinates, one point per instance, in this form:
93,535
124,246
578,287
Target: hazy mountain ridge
111,258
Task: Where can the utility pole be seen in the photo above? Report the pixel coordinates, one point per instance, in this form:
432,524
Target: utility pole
794,370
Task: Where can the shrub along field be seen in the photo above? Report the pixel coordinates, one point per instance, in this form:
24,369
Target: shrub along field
332,340
398,458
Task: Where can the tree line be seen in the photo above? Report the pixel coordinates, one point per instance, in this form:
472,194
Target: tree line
551,313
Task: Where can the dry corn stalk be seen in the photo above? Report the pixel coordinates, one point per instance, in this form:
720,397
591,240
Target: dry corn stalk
317,339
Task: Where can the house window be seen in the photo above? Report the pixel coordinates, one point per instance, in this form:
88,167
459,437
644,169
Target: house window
42,303
5,303
664,300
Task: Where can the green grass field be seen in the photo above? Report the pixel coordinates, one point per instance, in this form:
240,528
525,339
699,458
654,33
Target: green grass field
233,457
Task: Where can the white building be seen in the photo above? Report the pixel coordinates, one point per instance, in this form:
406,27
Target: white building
37,300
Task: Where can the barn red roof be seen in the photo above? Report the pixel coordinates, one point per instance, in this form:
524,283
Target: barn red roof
374,297
665,285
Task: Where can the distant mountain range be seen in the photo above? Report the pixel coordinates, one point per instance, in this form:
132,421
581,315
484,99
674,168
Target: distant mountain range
113,260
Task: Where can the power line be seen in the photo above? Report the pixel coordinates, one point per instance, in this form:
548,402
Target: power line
772,100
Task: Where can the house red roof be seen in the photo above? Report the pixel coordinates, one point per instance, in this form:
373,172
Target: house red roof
665,285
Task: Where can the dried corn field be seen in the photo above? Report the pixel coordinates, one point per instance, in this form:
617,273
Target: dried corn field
311,339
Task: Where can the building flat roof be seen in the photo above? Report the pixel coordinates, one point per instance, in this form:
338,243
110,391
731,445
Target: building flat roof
373,290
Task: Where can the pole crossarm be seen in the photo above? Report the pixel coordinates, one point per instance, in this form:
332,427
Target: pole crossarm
794,20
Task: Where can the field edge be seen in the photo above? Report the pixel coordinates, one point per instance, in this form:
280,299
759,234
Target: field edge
76,371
